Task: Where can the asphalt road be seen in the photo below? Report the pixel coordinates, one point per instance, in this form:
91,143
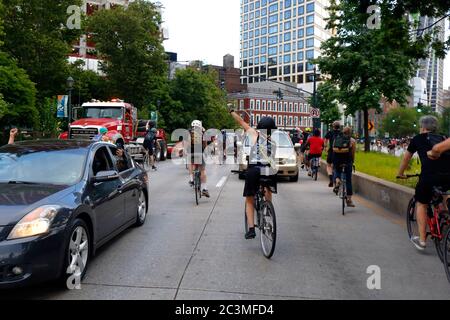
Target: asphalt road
189,252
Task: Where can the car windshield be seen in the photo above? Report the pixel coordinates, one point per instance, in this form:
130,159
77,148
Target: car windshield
282,140
103,112
56,167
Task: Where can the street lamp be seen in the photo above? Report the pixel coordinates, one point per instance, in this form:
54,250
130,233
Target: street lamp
69,83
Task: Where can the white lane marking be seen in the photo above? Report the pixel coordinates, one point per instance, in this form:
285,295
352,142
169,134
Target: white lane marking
221,182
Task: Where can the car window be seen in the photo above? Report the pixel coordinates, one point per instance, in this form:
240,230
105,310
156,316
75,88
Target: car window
282,140
122,163
102,161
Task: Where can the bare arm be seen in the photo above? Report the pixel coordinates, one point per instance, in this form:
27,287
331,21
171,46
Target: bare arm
252,132
12,135
406,159
439,149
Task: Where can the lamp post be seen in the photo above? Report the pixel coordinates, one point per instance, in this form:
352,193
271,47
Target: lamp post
69,83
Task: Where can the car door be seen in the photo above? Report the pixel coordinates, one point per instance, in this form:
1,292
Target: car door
130,184
108,201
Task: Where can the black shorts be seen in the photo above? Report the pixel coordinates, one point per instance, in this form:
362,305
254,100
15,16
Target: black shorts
149,148
253,181
330,157
424,189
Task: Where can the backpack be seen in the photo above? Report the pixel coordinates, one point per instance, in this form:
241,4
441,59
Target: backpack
150,138
342,143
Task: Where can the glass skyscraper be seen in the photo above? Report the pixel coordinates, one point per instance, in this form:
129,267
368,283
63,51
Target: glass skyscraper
279,37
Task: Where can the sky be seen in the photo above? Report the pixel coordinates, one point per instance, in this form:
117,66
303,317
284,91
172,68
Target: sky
209,29
203,29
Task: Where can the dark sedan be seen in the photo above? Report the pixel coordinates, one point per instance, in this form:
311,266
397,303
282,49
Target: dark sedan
59,202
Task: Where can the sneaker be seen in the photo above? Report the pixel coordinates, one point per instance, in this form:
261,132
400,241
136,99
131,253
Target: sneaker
191,184
330,185
251,234
336,188
420,245
309,174
350,204
205,193
154,168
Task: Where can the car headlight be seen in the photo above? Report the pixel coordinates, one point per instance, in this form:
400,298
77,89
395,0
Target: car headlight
35,223
291,160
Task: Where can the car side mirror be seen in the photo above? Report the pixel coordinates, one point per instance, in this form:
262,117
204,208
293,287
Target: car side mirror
104,176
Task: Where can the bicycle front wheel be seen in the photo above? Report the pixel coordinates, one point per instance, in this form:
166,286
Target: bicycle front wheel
268,229
446,254
411,219
146,162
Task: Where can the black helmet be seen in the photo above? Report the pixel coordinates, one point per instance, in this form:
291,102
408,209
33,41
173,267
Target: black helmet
151,124
267,123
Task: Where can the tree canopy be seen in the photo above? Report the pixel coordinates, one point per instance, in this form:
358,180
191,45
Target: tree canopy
129,42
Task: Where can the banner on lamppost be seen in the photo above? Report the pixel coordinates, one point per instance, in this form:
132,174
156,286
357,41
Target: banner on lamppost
62,106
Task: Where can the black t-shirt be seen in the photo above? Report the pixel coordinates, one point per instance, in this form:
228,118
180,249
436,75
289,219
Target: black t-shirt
331,135
422,144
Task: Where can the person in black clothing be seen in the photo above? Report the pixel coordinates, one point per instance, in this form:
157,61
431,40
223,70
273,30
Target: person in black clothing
329,138
434,173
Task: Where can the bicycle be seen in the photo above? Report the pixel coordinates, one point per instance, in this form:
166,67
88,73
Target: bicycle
341,190
197,184
438,221
315,165
265,222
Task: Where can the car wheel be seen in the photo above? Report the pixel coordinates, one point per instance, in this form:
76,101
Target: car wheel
163,150
77,255
294,178
142,210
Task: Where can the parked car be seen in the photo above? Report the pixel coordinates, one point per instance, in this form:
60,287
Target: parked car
60,200
285,156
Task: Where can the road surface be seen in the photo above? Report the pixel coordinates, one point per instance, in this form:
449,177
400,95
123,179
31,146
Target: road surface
189,252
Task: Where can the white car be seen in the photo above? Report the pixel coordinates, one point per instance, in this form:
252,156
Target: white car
285,156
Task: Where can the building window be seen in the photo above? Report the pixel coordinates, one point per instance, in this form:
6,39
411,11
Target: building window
310,7
296,108
258,105
241,104
274,106
252,104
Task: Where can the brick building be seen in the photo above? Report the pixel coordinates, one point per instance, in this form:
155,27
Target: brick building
228,77
260,100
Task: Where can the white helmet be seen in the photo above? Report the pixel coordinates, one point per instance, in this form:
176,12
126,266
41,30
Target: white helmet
196,124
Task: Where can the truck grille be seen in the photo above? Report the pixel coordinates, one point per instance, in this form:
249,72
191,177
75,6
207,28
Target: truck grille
83,134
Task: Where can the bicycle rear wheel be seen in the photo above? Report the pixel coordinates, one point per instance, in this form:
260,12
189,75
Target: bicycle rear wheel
146,162
268,229
196,188
446,253
343,195
411,219
444,226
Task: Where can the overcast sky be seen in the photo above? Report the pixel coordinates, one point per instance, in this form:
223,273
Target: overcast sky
208,29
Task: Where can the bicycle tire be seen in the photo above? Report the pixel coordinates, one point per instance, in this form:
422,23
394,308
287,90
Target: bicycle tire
411,220
146,162
196,188
444,226
344,196
269,230
447,254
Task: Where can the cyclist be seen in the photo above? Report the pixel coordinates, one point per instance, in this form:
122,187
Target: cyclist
344,149
316,145
198,144
259,161
434,173
304,147
150,142
329,139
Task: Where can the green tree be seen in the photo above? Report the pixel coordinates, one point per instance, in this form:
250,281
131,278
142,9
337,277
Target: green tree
130,44
327,102
366,64
37,37
445,122
401,122
196,96
19,93
88,85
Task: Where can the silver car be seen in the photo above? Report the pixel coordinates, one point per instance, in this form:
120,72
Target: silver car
285,156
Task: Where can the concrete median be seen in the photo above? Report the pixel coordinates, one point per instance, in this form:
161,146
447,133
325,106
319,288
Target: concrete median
390,196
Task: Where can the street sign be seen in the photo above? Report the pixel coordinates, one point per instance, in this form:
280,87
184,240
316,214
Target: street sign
62,106
315,113
371,126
